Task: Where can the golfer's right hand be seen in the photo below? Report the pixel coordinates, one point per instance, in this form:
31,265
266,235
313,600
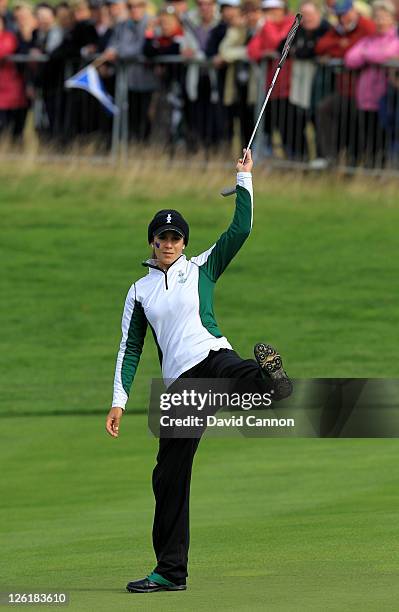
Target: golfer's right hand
247,165
113,420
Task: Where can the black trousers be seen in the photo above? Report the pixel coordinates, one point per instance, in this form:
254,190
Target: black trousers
372,139
336,123
139,119
204,118
171,477
13,122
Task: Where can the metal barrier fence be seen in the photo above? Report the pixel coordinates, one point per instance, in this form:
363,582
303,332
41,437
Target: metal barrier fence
313,120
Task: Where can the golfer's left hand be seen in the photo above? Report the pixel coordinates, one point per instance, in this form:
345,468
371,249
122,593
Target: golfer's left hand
248,165
113,420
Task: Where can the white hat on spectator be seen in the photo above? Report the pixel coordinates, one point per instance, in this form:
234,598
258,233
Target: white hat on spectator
229,2
271,4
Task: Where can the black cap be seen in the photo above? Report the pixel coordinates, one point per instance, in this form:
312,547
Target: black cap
168,220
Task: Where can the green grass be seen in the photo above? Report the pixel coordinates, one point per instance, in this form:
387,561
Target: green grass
277,524
317,278
280,525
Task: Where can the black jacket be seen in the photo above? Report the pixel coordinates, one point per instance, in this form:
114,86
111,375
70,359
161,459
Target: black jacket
216,36
82,34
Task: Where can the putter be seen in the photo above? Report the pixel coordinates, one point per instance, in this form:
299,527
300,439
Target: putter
290,37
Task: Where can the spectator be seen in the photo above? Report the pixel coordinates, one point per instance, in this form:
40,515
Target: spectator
167,37
253,17
102,22
80,36
241,77
361,6
389,117
118,11
312,27
25,24
368,54
201,82
278,22
8,17
48,35
166,40
81,111
47,79
181,8
126,43
13,101
230,14
334,114
64,17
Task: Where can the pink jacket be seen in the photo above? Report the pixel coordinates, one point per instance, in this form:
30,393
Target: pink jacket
368,53
12,88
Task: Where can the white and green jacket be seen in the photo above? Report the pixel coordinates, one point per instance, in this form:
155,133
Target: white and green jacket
178,304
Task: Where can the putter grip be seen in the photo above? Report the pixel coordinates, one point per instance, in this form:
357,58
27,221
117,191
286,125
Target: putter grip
290,37
228,191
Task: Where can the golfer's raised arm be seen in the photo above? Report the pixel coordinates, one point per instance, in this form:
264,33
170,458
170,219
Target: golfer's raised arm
217,258
134,327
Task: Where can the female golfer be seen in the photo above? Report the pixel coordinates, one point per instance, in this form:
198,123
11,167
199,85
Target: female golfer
176,299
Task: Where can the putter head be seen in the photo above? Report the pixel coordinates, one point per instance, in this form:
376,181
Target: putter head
228,191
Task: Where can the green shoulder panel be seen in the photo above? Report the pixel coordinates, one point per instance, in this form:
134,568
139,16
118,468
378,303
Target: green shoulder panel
205,292
160,354
233,238
134,345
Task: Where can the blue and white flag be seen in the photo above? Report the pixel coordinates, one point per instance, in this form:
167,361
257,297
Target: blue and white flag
88,79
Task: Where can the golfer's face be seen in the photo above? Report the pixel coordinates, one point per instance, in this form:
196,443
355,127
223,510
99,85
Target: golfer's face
168,246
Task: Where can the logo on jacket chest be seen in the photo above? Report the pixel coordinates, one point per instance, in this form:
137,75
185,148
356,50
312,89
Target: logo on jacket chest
181,278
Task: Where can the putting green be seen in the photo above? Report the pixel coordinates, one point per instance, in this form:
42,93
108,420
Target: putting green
282,524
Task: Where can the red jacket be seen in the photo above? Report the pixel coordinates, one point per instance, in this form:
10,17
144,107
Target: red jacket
12,87
334,44
269,39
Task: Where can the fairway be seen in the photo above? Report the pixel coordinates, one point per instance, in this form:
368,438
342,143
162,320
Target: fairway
277,524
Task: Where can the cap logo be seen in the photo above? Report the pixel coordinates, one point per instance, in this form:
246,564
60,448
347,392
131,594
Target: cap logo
168,218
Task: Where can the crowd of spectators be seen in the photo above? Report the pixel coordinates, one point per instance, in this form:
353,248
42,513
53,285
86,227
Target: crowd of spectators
350,106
